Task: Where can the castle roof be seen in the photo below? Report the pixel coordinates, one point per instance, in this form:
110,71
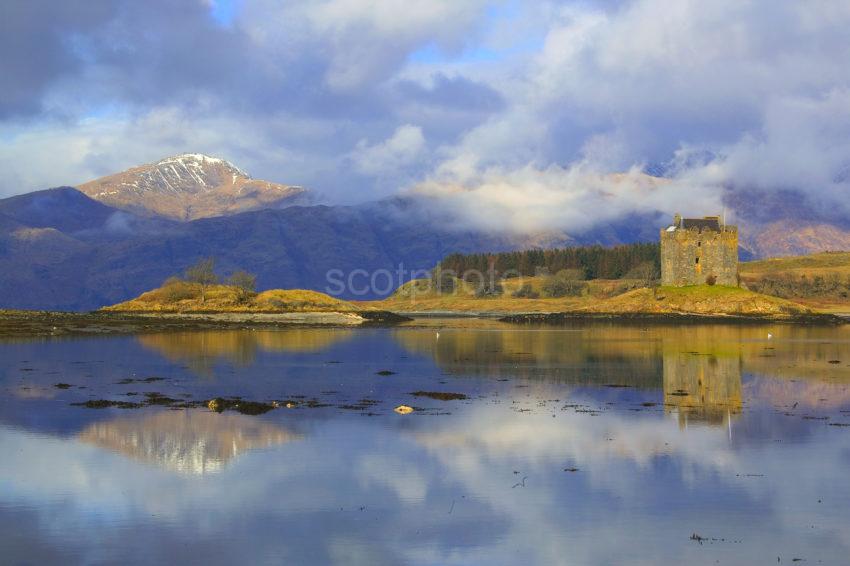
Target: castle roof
712,223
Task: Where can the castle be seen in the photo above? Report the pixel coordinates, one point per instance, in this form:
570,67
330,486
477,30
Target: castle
696,251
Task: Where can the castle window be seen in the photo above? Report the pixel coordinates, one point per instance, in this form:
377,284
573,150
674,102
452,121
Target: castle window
697,261
699,244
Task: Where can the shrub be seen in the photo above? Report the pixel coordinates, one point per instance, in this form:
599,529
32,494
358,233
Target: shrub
711,279
556,287
489,289
525,292
788,286
571,275
646,272
175,289
245,284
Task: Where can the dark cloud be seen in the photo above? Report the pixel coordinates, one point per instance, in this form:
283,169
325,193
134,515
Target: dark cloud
338,96
37,43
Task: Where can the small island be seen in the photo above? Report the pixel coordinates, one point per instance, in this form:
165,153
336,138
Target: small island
200,300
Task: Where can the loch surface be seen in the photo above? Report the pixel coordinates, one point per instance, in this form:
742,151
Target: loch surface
591,443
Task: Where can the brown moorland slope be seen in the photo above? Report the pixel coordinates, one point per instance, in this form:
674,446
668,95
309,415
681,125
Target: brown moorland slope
598,296
820,281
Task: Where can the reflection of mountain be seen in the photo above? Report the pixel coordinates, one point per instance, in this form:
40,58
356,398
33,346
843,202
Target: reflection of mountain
190,441
701,387
201,350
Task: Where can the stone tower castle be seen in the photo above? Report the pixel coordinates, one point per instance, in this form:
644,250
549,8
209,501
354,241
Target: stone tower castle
695,249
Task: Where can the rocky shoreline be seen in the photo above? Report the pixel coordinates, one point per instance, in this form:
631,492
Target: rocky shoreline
47,323
820,319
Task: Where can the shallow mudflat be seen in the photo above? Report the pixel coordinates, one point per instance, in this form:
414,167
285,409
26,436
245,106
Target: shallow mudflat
588,443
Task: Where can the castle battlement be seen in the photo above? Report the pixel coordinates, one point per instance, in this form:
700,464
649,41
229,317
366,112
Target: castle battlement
694,250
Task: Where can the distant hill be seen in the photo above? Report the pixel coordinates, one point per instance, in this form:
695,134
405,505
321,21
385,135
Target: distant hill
187,187
97,255
783,223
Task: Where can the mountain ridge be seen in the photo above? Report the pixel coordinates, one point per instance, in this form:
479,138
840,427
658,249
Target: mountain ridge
189,186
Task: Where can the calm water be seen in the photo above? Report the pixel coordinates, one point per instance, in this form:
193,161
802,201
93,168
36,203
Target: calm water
594,444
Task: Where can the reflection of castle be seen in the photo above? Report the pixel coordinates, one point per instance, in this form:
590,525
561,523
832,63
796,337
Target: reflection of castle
191,441
703,388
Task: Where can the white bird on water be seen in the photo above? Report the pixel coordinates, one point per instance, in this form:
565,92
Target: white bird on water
438,335
769,336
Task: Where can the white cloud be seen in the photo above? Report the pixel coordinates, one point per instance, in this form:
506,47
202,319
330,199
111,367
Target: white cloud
762,85
404,148
532,199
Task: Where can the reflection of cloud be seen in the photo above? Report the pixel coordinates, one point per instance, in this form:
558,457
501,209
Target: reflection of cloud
652,483
575,437
189,441
809,394
616,455
403,478
201,350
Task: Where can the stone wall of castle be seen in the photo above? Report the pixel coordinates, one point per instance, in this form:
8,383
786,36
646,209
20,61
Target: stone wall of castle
690,256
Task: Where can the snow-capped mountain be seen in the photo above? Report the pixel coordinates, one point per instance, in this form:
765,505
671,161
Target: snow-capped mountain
189,186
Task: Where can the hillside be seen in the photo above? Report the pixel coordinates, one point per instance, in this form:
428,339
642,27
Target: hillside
820,281
187,187
698,299
784,223
809,265
600,296
182,297
97,255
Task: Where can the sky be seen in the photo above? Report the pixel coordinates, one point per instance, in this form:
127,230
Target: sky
511,115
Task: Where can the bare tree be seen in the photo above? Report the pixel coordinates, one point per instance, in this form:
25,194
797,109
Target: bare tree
646,272
203,274
245,283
